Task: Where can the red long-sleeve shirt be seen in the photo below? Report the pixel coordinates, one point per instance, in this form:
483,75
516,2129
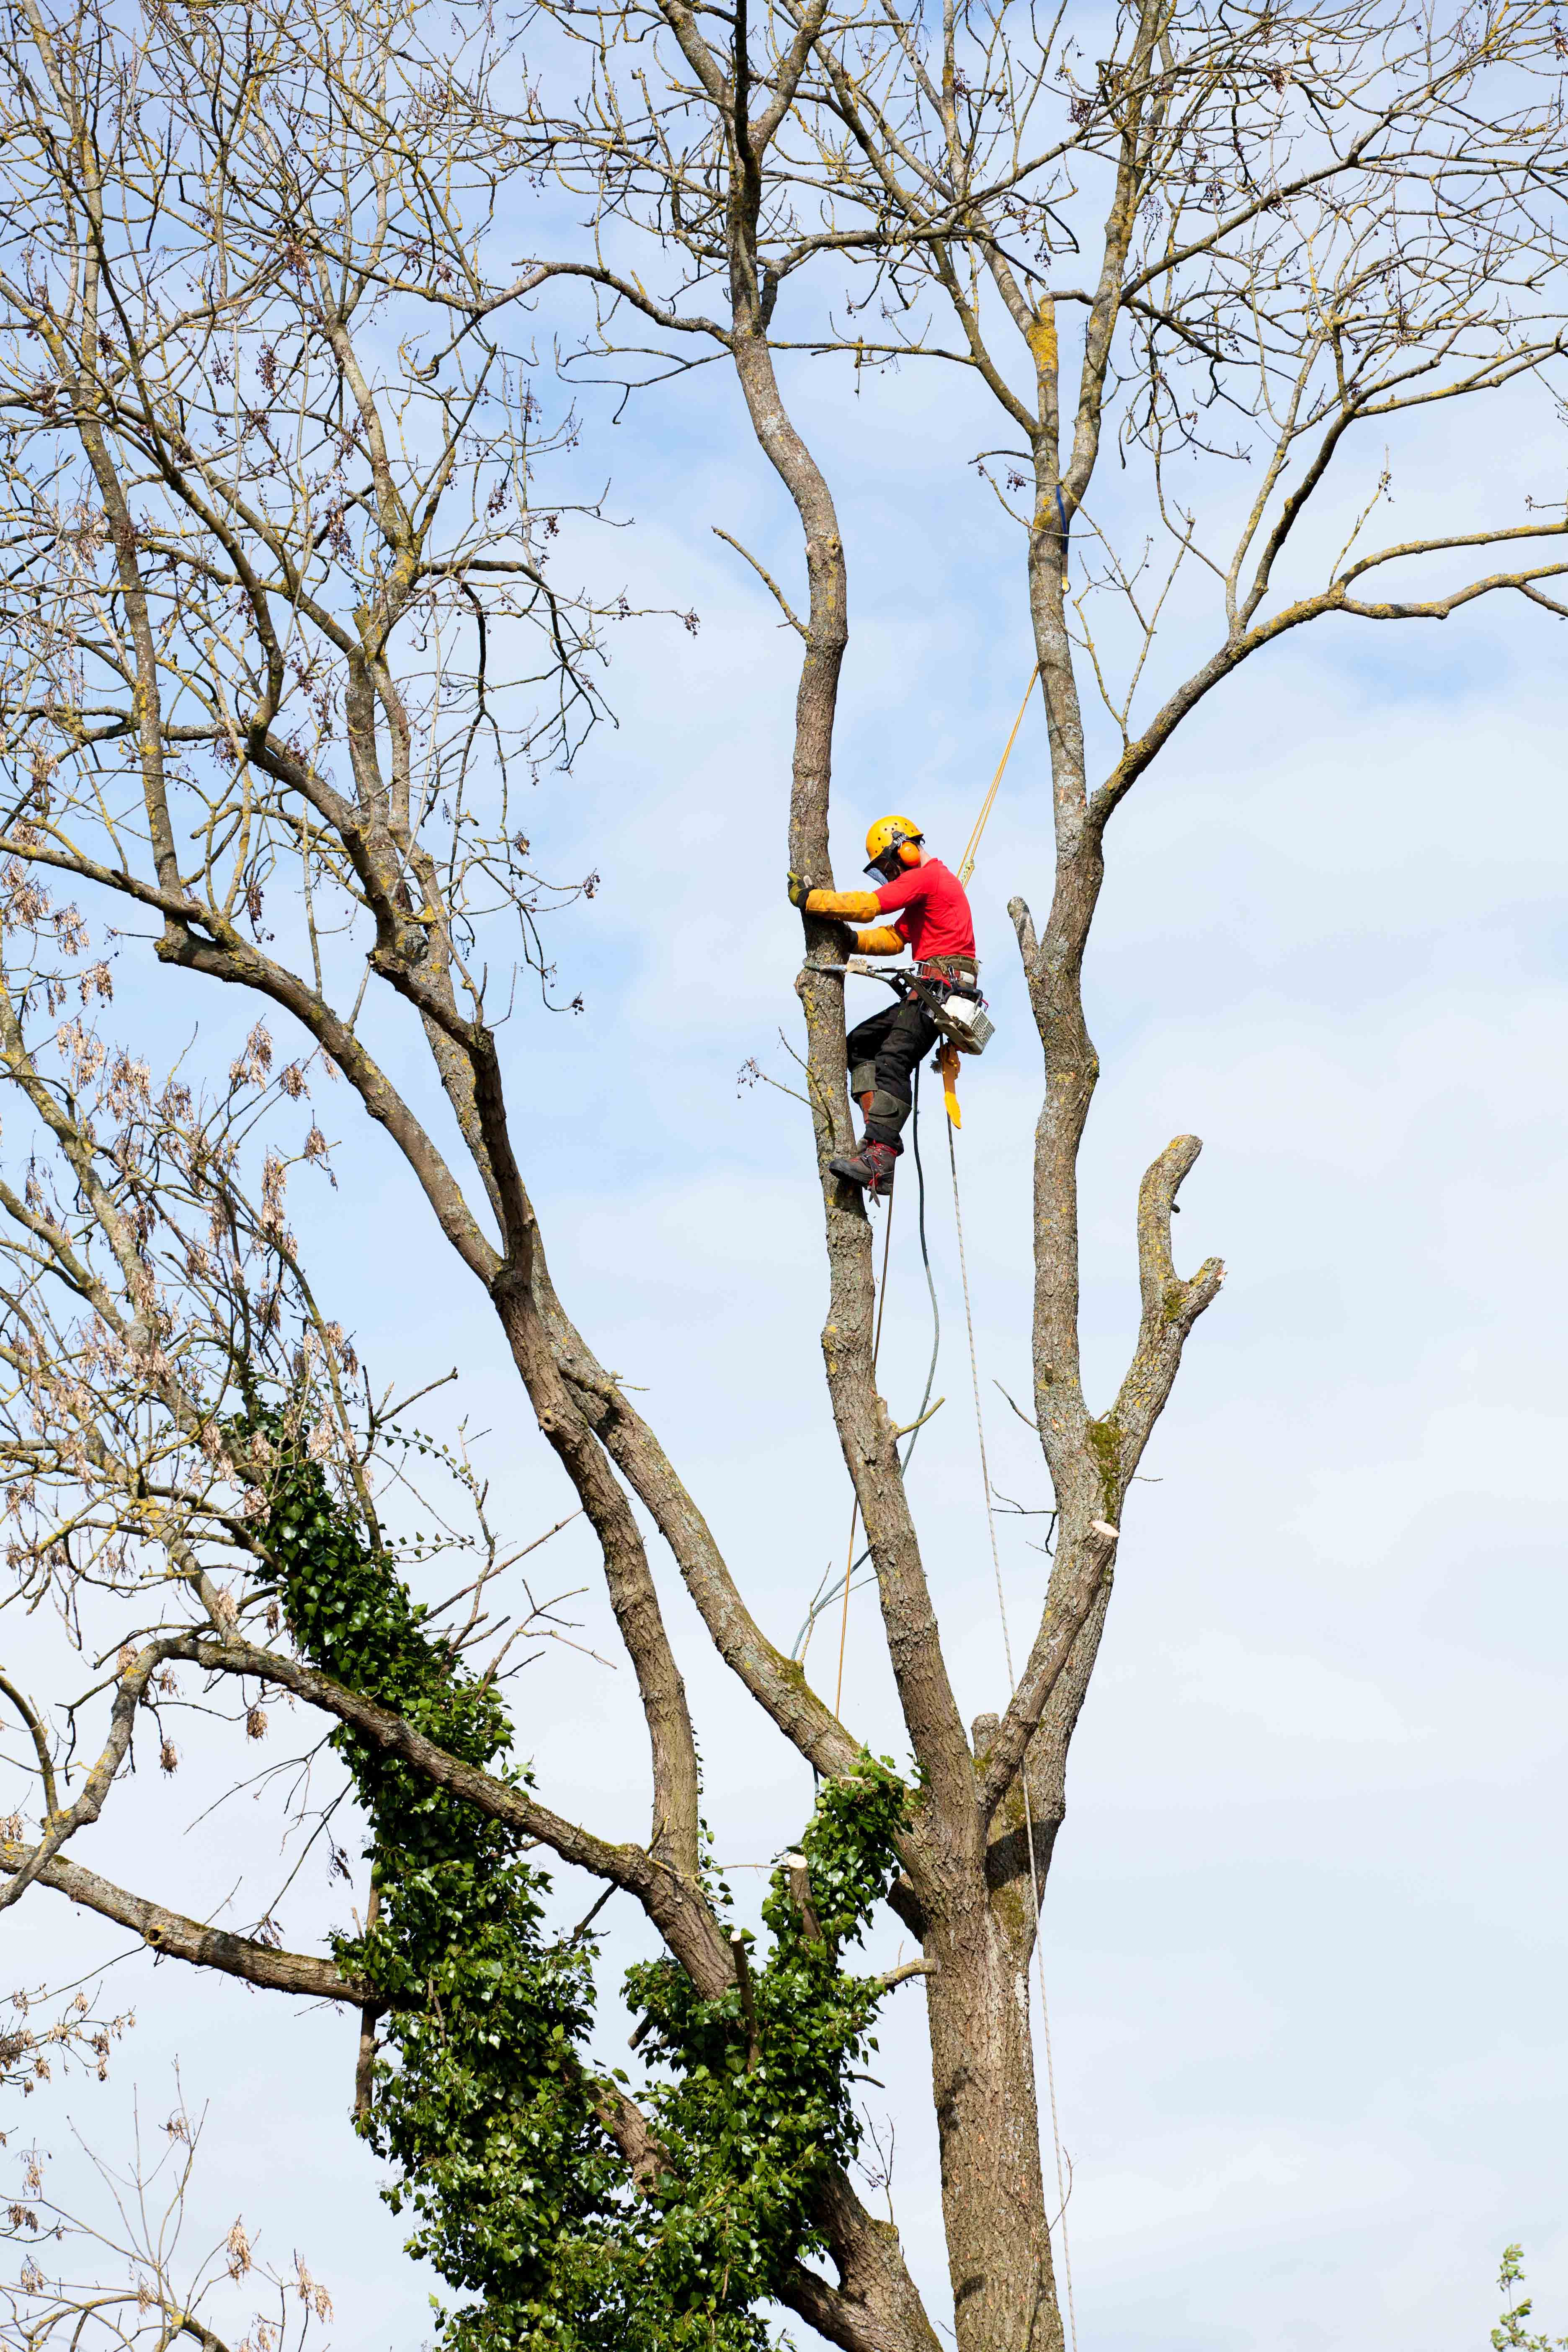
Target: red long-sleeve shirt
936,920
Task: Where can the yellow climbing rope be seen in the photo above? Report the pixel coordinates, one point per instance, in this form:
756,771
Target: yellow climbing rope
947,1060
967,863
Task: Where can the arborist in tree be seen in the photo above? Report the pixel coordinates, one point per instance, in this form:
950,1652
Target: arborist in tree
935,924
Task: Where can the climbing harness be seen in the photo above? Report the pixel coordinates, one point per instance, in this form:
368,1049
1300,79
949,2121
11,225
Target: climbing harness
960,1017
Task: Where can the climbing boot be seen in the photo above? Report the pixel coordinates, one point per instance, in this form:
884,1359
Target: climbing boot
872,1167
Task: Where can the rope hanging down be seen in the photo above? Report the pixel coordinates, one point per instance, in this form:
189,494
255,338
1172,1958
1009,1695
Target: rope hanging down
1061,2221
855,1508
826,1593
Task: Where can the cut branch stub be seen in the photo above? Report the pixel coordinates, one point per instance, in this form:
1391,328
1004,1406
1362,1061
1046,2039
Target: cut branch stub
1170,1306
799,1877
1156,1201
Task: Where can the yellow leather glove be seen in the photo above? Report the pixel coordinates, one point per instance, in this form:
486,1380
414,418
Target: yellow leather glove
845,906
885,942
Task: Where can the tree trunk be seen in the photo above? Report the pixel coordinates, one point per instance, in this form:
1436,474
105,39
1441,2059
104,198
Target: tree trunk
982,2078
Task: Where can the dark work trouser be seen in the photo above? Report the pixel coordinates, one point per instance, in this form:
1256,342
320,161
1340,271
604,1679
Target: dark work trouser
884,1054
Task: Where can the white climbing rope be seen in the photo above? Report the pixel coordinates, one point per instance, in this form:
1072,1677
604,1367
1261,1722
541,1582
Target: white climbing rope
1061,2221
855,1514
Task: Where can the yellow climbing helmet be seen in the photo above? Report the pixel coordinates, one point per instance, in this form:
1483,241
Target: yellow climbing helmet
892,844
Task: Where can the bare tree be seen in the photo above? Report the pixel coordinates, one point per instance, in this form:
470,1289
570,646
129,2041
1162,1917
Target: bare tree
160,2293
250,525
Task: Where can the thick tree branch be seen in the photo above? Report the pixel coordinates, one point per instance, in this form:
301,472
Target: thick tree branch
674,1905
171,1934
1140,754
1059,1628
628,1579
874,2308
777,1682
40,1740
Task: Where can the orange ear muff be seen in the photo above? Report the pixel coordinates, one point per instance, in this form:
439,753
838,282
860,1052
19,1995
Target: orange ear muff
909,853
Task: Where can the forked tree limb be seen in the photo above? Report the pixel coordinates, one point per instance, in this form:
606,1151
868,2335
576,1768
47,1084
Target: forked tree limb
1059,1628
843,2320
675,1907
1170,1306
874,2308
127,1696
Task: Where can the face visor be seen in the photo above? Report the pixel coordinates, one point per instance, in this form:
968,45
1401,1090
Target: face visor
889,865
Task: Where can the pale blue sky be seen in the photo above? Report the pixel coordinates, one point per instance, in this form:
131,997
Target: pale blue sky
1305,1931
